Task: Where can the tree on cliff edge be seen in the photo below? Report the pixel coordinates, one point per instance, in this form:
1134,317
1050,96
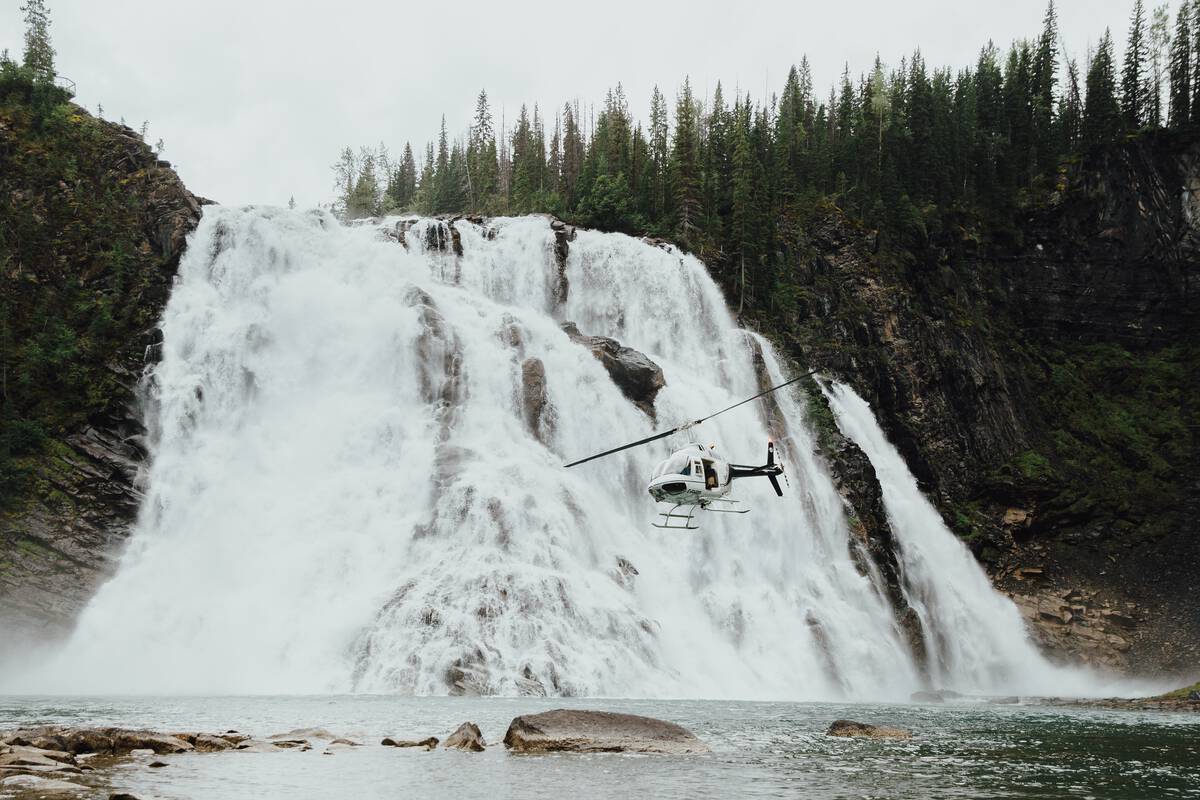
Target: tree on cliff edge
1101,116
39,54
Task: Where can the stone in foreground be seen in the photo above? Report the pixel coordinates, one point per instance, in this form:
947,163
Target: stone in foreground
428,743
466,737
598,732
849,728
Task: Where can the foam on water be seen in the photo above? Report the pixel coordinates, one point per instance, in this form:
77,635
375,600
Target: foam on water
345,494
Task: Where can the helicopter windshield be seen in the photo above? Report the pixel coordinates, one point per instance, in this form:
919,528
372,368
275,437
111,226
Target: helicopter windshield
678,464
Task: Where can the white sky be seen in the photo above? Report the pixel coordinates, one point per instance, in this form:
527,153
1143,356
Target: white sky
254,98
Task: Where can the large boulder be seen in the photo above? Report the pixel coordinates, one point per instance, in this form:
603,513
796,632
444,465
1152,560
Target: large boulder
638,378
851,729
580,731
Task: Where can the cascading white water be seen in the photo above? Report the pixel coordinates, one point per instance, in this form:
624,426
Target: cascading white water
346,494
974,636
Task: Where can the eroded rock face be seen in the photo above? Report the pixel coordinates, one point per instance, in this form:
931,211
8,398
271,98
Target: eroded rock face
580,731
638,378
851,729
466,737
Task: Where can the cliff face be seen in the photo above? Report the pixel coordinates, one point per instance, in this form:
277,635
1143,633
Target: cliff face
92,225
1041,383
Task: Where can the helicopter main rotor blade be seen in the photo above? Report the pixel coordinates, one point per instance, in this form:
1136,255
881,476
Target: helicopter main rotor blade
638,443
665,434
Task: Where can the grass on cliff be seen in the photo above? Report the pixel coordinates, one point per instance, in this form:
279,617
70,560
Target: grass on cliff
1119,432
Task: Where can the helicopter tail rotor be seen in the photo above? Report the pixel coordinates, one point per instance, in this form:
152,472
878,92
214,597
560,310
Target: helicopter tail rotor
771,463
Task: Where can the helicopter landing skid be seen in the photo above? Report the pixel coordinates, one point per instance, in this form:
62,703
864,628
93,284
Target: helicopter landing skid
677,522
711,506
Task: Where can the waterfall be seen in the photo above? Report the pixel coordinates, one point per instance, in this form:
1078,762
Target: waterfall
974,636
352,490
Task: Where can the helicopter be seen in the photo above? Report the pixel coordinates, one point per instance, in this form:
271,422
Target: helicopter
695,477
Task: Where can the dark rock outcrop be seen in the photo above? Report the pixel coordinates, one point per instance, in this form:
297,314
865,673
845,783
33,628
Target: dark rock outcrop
577,731
638,378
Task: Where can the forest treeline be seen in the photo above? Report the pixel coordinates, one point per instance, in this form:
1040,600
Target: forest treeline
726,177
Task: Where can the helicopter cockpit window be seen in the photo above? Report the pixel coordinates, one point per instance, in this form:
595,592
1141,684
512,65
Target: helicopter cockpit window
677,464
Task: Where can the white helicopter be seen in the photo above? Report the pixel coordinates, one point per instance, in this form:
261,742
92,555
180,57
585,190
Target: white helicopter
696,477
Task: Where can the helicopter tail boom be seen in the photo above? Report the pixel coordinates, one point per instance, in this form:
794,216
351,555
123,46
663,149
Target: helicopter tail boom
768,470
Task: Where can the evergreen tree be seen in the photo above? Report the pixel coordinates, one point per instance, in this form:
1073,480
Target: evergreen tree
1192,7
661,202
402,186
1134,94
363,200
685,173
1160,42
481,161
1101,114
1045,71
1070,113
39,53
1181,68
345,173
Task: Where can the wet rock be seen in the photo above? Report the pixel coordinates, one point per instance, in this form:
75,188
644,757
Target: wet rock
304,733
206,743
533,394
347,742
851,729
37,786
122,796
428,743
581,731
157,764
563,234
638,378
466,737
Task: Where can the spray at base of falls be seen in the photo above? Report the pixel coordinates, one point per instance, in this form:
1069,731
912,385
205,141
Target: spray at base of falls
350,493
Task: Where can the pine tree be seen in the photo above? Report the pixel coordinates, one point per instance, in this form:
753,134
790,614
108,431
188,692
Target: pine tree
402,184
1070,111
1045,71
1134,94
39,53
685,176
345,173
658,155
1181,68
1160,42
364,198
481,161
1193,9
1101,114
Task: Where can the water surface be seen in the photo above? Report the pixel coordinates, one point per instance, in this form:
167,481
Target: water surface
973,750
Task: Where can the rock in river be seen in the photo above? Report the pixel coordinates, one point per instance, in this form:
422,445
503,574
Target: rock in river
467,737
598,732
845,727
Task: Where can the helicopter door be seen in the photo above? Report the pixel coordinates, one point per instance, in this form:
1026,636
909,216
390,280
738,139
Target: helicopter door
711,481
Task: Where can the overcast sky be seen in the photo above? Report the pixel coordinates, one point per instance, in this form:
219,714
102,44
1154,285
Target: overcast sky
254,98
